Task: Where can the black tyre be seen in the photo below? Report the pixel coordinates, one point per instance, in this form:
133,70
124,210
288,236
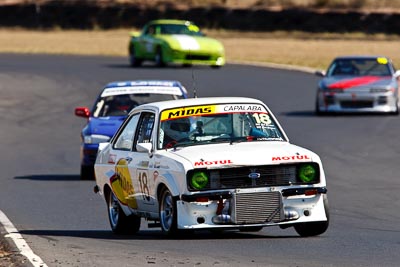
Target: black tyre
314,228
87,172
159,60
317,110
396,112
168,214
133,60
119,222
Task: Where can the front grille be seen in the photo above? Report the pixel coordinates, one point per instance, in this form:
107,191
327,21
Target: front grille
252,176
269,176
356,104
257,207
197,57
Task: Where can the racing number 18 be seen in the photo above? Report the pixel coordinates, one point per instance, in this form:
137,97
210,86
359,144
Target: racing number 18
262,118
144,186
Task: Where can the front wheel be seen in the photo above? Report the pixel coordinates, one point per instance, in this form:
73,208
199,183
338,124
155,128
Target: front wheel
314,228
168,214
134,61
159,58
317,110
396,112
119,222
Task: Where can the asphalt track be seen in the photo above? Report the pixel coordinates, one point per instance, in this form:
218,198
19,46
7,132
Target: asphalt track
66,224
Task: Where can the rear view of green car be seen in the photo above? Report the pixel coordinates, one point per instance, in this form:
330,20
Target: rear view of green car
174,41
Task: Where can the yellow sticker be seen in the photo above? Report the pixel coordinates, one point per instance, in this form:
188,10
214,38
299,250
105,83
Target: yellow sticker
193,28
186,112
382,60
122,184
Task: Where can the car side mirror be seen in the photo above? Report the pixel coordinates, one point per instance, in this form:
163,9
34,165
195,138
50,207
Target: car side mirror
144,147
320,73
82,112
397,74
103,146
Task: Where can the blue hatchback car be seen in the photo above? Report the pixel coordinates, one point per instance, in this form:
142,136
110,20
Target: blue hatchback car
112,107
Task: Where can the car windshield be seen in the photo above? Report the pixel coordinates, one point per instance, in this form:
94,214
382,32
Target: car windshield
191,29
216,124
360,67
120,105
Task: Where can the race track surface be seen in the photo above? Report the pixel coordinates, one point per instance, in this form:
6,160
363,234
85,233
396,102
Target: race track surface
66,224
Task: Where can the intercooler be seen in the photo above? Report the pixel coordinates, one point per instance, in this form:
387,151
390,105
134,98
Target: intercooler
257,207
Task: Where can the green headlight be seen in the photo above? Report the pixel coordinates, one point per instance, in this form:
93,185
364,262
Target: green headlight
307,173
199,180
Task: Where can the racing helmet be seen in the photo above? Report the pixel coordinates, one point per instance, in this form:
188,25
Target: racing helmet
177,129
346,67
119,105
122,102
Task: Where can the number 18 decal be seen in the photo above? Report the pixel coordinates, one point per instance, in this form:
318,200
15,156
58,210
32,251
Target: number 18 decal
145,187
262,118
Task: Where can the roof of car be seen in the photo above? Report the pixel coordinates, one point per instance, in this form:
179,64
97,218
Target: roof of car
143,83
199,101
170,21
360,57
144,86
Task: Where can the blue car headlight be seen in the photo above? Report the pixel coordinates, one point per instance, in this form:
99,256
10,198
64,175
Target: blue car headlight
95,139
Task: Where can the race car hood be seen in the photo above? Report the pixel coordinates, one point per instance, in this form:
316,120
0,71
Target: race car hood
105,125
244,154
193,43
356,82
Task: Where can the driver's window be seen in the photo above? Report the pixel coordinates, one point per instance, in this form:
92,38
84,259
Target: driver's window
145,128
125,139
150,30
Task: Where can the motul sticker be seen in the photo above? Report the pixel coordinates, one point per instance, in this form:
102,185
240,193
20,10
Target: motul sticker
286,158
215,162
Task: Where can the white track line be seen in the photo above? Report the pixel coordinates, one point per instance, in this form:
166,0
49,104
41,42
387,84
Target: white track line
20,242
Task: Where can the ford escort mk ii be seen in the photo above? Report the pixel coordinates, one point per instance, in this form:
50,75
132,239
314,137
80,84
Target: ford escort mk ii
209,163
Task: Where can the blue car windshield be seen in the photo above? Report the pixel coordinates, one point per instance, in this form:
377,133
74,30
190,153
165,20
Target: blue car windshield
121,105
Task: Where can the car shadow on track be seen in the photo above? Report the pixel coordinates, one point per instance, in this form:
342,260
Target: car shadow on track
50,177
301,113
155,235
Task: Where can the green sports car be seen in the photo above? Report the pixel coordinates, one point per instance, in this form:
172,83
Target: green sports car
174,41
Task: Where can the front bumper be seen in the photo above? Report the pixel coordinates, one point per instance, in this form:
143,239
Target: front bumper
195,57
356,102
243,208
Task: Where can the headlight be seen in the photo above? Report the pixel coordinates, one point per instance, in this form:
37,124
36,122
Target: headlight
199,180
95,139
308,173
379,90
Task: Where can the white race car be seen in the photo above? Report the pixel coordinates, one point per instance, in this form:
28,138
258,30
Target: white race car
209,163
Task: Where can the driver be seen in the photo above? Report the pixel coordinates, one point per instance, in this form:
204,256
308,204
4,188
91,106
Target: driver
174,131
